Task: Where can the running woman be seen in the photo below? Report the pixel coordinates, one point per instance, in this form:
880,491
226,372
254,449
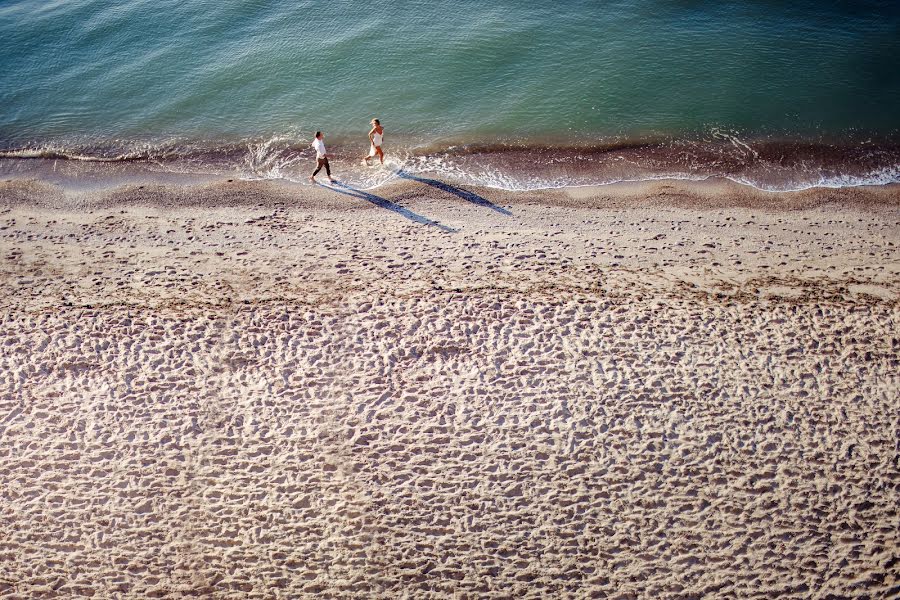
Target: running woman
375,137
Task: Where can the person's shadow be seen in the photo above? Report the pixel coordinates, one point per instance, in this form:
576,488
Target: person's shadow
456,191
343,188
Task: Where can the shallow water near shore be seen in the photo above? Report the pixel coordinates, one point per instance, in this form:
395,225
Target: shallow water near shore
774,166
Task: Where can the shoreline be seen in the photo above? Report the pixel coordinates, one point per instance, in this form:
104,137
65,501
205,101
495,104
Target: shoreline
232,191
769,164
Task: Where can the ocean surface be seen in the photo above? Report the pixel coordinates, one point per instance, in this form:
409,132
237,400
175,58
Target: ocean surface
512,94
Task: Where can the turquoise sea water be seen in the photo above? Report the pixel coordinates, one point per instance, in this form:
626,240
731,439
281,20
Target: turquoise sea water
781,95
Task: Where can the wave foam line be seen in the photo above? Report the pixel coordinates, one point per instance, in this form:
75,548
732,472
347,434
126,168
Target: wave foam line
49,153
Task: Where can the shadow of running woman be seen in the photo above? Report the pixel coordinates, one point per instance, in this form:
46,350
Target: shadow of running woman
456,191
343,188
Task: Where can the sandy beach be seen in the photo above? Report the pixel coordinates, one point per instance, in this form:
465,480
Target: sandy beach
257,390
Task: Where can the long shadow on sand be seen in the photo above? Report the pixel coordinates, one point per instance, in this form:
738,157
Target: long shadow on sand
343,188
456,191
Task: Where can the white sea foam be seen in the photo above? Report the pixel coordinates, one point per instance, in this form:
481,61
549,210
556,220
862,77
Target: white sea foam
883,176
63,154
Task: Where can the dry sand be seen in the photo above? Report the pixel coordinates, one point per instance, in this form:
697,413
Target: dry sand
248,390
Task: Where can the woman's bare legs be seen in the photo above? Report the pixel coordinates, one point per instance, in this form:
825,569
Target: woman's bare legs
378,152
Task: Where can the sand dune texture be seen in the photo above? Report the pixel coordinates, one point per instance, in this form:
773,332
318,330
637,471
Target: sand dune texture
444,393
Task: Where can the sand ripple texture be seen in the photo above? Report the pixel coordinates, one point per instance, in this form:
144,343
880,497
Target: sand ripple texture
560,435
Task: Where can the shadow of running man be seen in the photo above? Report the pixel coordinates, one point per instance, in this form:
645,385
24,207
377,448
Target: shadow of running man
343,188
456,191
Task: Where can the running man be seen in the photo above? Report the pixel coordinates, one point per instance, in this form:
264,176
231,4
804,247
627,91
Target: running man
375,137
321,157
